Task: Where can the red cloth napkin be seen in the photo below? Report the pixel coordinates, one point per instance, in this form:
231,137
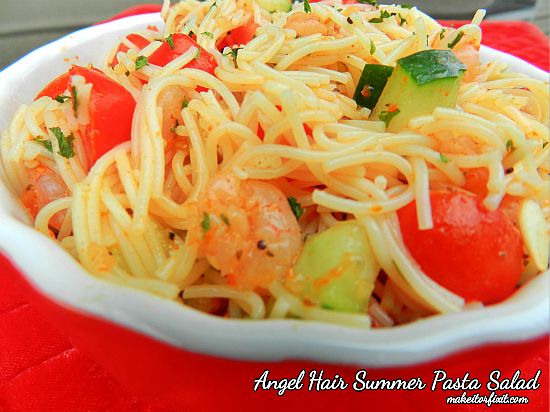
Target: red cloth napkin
41,371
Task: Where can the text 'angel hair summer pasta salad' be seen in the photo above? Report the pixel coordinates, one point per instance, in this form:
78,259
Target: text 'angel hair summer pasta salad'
337,161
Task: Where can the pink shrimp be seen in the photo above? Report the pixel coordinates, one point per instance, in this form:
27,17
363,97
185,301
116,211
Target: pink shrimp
466,50
248,231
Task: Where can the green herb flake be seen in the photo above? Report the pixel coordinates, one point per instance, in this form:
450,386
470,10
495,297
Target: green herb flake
170,42
185,103
208,34
371,2
402,20
372,48
544,145
75,99
384,14
510,147
296,207
458,37
443,158
141,62
61,98
307,7
406,6
65,143
46,143
225,219
205,222
442,34
387,116
197,55
234,53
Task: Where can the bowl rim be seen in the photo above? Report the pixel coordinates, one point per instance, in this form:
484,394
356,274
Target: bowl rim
60,278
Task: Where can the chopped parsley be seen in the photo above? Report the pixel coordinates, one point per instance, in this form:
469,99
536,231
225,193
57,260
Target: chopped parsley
46,143
372,48
205,222
384,14
458,37
307,7
141,62
406,6
296,207
442,34
185,103
544,144
234,52
75,99
61,98
386,116
510,146
371,2
170,42
197,55
225,219
207,33
65,143
402,20
443,158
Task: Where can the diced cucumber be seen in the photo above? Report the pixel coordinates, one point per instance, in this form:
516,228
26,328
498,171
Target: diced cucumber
275,5
420,83
371,84
336,269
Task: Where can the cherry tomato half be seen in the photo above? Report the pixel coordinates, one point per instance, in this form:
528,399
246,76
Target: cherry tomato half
111,109
139,41
239,36
474,252
165,54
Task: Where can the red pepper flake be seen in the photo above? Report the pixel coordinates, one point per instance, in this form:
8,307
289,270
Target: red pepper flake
367,90
392,107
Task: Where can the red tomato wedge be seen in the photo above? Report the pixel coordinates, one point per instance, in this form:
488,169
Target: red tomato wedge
111,110
44,186
139,41
239,36
474,252
57,87
165,54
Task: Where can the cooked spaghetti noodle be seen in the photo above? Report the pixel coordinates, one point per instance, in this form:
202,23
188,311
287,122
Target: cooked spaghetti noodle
179,209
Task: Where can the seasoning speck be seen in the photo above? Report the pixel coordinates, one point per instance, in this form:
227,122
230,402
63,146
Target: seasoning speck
261,244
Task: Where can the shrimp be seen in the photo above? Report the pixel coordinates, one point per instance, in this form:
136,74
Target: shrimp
170,100
307,24
44,186
249,232
466,50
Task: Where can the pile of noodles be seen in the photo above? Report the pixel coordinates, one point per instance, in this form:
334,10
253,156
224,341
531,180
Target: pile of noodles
127,219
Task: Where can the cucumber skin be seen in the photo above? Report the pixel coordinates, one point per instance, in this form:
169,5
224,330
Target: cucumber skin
376,76
417,95
275,5
344,249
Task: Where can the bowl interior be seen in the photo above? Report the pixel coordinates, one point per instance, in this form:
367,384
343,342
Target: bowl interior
59,277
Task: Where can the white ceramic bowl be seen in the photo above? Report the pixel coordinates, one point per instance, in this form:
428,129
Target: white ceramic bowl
56,275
